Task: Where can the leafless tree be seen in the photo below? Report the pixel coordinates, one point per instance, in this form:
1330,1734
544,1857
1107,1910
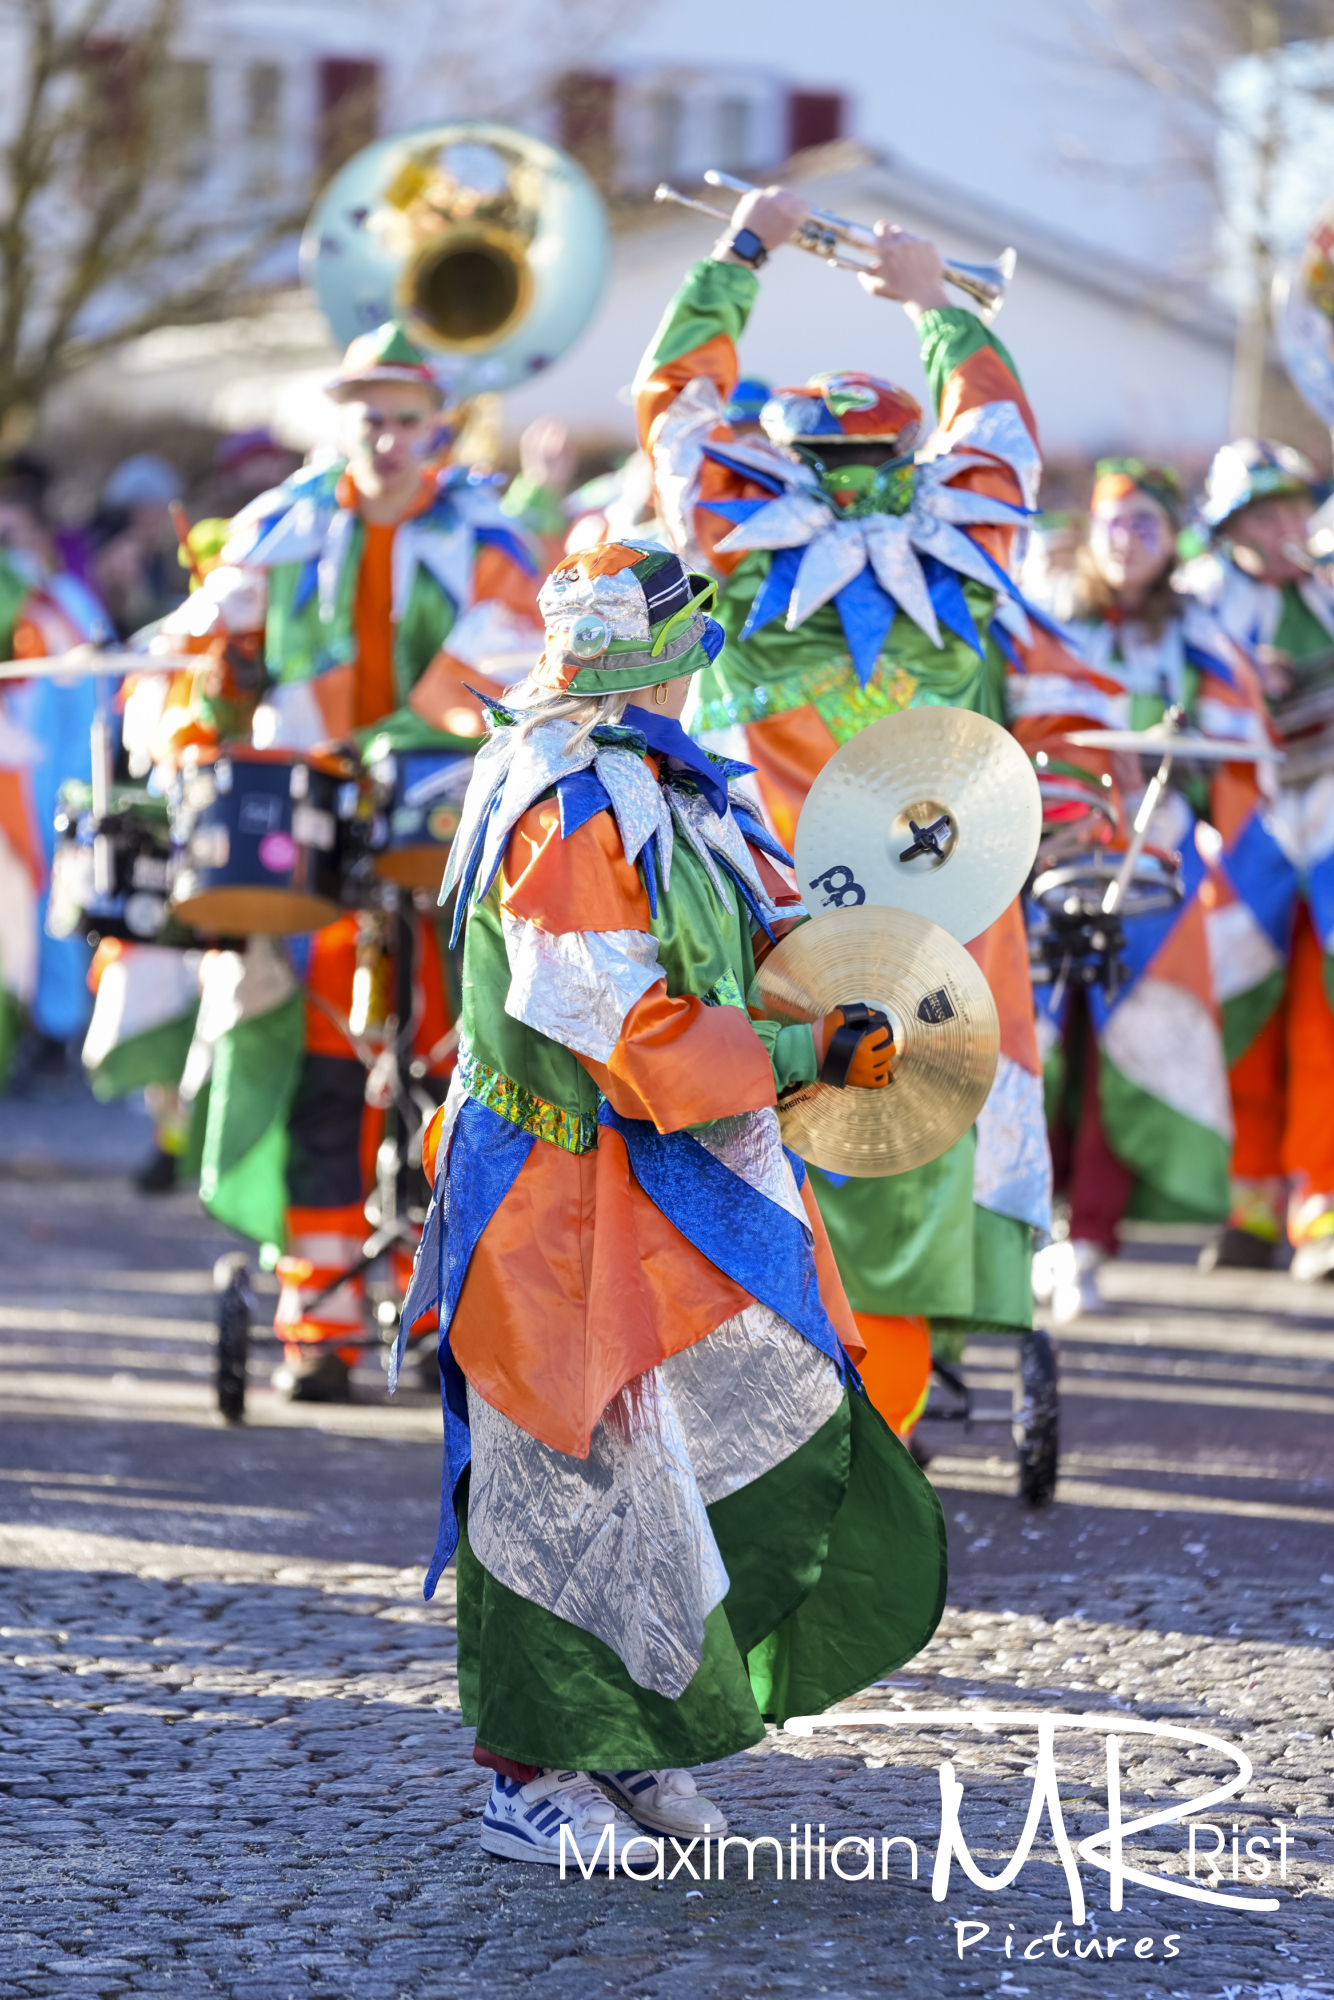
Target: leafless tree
107,227
1231,144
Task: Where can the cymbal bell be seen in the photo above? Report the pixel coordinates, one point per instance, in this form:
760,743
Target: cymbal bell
1158,742
933,809
946,1035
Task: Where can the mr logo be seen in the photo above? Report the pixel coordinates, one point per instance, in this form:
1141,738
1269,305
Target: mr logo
842,890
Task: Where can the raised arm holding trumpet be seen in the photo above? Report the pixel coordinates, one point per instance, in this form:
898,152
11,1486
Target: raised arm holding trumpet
858,577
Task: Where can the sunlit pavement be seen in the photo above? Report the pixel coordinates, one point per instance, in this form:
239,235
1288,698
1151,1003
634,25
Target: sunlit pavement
231,1741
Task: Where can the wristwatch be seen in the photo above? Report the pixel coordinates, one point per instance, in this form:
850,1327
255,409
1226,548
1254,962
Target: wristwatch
746,245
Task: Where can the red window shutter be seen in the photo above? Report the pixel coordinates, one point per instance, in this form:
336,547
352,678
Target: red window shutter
814,118
349,98
586,111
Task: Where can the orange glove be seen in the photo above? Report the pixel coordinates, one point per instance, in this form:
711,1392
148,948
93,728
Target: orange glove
855,1046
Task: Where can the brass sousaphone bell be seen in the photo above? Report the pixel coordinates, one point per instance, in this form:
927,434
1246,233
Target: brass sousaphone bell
489,244
916,836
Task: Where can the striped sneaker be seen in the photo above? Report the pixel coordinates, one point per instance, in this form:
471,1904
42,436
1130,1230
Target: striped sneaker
663,1801
523,1822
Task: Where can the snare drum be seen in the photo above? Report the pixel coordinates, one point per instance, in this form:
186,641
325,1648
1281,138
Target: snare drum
136,843
258,836
419,802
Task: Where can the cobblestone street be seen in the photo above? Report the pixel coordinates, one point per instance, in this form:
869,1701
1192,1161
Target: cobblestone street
232,1755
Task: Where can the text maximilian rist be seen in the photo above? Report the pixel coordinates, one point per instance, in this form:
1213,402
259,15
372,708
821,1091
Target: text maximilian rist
1219,1874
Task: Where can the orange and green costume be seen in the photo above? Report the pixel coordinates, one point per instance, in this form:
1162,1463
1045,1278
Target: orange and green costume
845,597
676,1517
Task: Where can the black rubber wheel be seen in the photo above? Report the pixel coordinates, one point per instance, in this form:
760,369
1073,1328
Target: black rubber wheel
1036,1422
231,1276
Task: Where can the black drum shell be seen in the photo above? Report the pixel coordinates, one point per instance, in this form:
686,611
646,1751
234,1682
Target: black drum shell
419,808
259,844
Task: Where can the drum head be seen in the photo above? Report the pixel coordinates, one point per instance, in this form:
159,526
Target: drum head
413,867
244,911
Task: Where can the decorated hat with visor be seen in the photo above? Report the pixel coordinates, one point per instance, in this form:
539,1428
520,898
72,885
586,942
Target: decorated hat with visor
623,616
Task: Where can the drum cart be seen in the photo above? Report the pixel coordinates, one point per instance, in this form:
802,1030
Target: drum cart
396,1209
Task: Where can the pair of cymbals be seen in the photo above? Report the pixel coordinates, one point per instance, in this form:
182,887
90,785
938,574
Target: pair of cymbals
945,1027
915,837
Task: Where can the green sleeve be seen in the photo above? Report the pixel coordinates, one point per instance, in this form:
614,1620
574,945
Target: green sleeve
538,507
715,299
791,1051
949,336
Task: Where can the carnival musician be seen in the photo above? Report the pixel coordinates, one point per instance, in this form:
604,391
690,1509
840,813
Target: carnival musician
1261,609
353,604
1135,1065
673,1521
858,575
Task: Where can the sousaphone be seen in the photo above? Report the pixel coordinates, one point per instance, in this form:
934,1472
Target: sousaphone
489,244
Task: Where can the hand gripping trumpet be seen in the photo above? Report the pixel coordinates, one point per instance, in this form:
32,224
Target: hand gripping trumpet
822,234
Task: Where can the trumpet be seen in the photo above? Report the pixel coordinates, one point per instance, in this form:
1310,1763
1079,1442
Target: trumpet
825,235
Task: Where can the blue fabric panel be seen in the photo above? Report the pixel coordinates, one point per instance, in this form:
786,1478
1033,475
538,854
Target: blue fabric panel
1209,663
1320,895
468,871
513,545
713,638
775,593
757,834
735,511
664,734
951,606
748,1238
485,1156
650,872
306,584
1002,638
866,613
1264,878
722,456
581,797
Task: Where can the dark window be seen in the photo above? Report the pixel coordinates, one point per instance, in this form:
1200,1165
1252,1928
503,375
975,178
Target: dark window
814,118
585,111
349,110
114,131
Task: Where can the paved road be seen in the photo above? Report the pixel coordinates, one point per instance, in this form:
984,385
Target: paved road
231,1742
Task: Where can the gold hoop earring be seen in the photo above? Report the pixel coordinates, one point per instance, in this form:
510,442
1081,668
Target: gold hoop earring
660,695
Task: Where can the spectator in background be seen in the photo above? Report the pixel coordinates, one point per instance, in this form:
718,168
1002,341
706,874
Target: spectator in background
45,609
135,569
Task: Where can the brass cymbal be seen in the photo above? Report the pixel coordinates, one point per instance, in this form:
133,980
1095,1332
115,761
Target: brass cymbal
946,1034
1158,742
961,779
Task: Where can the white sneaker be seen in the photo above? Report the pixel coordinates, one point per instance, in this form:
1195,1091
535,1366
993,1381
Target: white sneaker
1075,1292
663,1801
523,1822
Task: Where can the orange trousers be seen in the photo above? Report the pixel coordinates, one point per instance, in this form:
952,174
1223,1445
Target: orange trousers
1283,1087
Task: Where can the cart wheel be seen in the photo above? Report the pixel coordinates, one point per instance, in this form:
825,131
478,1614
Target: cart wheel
1036,1422
231,1278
